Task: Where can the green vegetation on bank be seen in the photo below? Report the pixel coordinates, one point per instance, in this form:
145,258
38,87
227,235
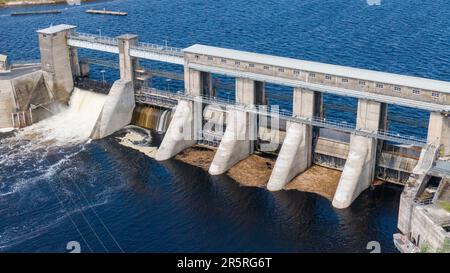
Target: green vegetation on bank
445,205
445,247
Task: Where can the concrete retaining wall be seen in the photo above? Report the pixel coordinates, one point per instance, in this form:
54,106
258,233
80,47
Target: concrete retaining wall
7,104
424,230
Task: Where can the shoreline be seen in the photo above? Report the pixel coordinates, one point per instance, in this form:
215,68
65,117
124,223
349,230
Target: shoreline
29,3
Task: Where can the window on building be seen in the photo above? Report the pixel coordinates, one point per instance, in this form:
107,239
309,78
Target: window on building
379,85
296,72
345,80
237,63
312,75
281,69
251,65
210,58
416,91
328,77
196,56
362,82
435,94
223,60
397,88
266,67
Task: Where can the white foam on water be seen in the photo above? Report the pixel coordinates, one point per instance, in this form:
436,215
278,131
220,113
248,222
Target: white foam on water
31,146
70,126
73,124
24,158
6,130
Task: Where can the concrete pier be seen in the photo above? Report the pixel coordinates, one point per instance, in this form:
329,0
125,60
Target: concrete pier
180,134
235,145
295,154
187,119
240,134
359,168
117,110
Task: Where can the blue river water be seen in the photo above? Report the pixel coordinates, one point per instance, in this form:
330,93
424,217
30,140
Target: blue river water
110,198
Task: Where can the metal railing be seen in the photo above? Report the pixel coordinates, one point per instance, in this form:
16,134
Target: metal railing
105,63
287,115
159,49
93,38
163,102
25,62
146,70
423,202
209,138
93,85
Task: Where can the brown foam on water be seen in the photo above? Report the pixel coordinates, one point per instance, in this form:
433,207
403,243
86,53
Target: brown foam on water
255,171
317,179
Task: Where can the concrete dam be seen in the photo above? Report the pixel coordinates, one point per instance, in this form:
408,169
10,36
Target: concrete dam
248,124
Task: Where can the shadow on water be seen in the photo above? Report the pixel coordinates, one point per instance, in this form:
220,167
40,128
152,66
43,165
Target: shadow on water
109,197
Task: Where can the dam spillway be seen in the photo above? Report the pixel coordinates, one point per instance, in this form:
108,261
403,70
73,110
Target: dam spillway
152,117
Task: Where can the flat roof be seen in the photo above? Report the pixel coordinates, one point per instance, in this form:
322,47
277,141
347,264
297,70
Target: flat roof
56,29
336,70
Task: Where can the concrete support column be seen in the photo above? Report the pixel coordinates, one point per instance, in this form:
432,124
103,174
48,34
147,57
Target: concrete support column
74,62
57,60
187,120
238,140
127,63
439,131
197,83
207,85
260,93
84,69
245,91
296,152
359,169
192,82
180,134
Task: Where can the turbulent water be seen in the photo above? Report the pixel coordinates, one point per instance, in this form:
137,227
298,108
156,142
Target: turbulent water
153,118
58,186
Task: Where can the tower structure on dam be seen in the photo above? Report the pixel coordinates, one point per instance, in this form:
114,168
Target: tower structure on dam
59,61
308,81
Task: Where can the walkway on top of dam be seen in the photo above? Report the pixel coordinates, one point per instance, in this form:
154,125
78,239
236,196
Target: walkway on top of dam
140,50
415,92
163,98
